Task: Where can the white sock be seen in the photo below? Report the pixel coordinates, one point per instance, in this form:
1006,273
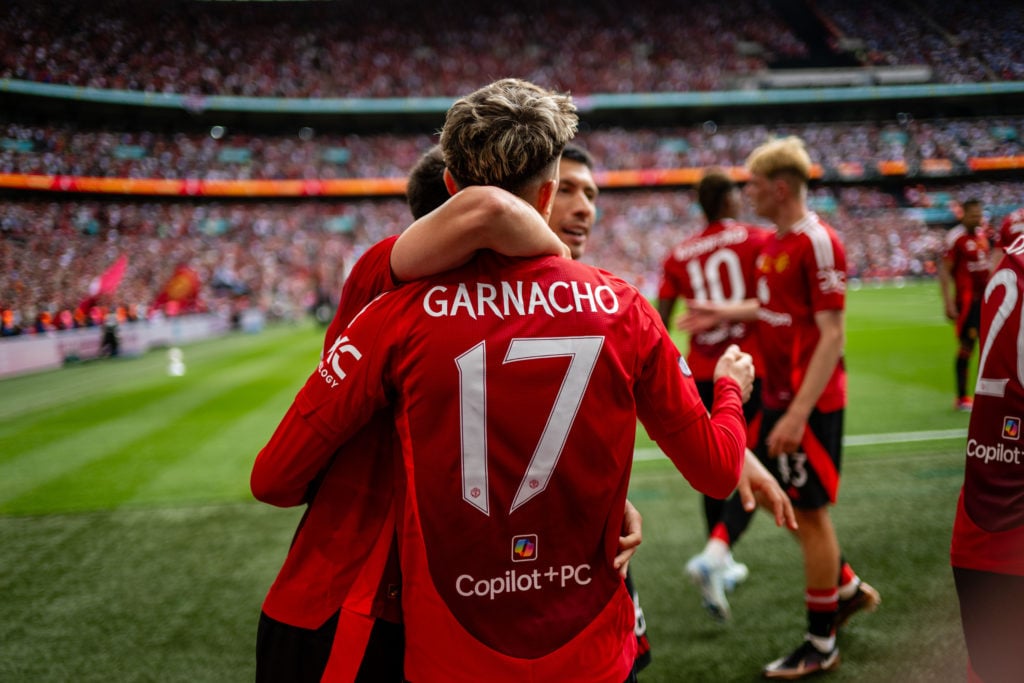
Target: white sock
848,590
717,551
822,644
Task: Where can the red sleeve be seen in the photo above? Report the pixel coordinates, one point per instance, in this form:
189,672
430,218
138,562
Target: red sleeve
289,462
826,278
370,276
338,398
709,451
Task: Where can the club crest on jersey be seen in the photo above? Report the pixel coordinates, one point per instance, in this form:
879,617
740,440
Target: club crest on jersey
1011,428
524,548
684,367
781,263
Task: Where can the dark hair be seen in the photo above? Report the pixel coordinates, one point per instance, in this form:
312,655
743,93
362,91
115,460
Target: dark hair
970,203
574,152
712,190
426,190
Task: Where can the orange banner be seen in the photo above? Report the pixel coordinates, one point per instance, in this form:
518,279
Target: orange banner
353,187
391,187
995,163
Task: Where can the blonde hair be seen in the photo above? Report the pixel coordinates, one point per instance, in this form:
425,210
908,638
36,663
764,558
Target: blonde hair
506,134
781,156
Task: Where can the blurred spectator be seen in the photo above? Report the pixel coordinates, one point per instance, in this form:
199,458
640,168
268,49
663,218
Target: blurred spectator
280,256
349,49
74,150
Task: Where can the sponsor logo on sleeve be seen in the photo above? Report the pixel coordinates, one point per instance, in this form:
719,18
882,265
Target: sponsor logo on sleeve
684,367
832,281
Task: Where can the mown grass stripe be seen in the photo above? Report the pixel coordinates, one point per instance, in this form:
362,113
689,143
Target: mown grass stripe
135,430
40,392
218,469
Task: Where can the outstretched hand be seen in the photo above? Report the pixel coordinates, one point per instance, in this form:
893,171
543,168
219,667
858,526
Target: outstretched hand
757,486
700,317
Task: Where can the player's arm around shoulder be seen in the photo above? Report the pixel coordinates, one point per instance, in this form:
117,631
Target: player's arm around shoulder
476,217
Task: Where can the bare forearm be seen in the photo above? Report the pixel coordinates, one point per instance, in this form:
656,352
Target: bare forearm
477,217
945,282
742,311
826,356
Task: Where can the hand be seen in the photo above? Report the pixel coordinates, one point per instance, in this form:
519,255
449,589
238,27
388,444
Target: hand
757,486
951,310
630,538
737,365
700,317
786,435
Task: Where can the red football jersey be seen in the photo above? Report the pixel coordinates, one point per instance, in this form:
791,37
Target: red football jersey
967,254
988,533
799,274
516,386
339,548
718,266
1010,229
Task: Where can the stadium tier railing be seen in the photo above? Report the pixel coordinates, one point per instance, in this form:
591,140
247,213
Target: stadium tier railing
587,104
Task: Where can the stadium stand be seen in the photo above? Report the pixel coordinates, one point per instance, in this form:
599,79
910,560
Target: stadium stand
889,175
75,150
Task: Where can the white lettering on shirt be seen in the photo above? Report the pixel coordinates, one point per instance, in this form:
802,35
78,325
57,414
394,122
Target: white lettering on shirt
480,299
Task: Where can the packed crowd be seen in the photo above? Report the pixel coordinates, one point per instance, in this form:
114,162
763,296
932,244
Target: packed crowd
276,257
285,257
346,49
72,150
961,44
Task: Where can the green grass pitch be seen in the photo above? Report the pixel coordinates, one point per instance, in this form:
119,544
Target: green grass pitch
132,550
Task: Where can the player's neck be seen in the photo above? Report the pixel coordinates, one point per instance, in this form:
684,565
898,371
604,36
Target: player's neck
788,216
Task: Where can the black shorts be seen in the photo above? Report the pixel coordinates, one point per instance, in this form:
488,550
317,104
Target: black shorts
289,654
810,477
992,625
751,409
968,323
643,644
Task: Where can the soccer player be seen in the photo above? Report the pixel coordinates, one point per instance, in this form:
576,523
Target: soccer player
573,211
987,551
574,207
963,273
1010,229
516,384
801,287
334,609
717,265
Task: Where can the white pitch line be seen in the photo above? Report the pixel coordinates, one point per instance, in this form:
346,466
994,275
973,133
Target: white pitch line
904,437
854,440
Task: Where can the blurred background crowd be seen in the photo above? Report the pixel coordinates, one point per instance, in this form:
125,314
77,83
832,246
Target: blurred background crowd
60,251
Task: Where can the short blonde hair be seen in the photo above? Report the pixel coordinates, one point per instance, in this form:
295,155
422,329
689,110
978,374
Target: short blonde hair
506,134
781,155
